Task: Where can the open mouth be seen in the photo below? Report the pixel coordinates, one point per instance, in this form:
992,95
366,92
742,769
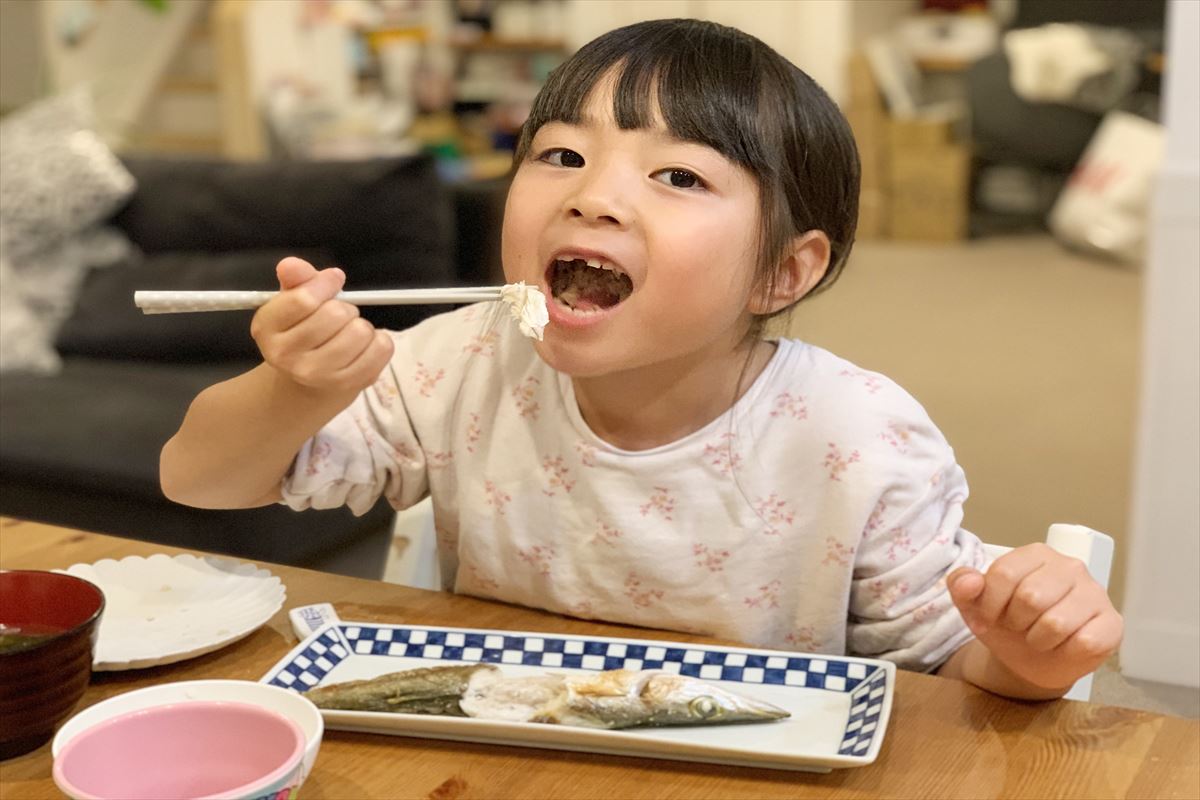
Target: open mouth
588,285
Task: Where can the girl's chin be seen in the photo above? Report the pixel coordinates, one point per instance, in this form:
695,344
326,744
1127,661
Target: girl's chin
574,362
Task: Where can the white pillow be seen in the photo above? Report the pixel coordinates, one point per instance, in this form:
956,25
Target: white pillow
59,176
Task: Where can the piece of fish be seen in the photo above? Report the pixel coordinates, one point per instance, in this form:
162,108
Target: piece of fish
613,699
428,690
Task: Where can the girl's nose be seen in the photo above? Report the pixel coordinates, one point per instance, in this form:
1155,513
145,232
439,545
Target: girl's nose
598,200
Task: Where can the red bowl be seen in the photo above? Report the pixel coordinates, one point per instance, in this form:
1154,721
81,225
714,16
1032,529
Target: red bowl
40,683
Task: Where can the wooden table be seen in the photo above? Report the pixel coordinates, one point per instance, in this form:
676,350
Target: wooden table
946,739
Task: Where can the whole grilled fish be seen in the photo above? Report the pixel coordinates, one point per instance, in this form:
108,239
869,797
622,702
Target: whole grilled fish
613,699
429,690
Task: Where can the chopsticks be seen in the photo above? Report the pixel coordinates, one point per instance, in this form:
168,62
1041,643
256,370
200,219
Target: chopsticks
170,302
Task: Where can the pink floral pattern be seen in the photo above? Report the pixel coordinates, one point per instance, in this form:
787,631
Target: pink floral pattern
524,395
581,608
317,457
767,596
640,596
439,459
385,391
427,379
722,455
790,405
930,610
709,558
538,557
870,380
587,454
876,518
557,476
474,431
776,512
447,539
661,502
605,534
836,552
482,579
482,345
887,594
898,435
804,638
496,498
901,544
837,463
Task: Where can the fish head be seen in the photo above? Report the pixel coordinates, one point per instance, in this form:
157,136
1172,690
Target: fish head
680,700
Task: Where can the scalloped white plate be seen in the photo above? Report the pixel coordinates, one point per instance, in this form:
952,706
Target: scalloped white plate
160,610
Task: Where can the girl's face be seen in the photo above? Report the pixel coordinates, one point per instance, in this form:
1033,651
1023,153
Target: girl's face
645,245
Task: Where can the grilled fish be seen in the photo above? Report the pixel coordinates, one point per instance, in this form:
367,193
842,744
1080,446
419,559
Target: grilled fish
613,699
429,690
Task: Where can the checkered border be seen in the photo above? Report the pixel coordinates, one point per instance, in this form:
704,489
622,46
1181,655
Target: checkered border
866,704
866,684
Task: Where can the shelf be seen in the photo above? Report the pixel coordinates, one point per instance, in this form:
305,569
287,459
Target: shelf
491,44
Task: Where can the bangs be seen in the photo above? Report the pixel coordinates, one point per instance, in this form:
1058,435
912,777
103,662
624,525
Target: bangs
700,87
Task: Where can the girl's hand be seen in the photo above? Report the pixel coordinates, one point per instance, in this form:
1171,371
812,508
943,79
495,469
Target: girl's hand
315,340
1040,614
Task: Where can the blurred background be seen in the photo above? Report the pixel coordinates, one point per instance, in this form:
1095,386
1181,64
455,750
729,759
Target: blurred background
1026,263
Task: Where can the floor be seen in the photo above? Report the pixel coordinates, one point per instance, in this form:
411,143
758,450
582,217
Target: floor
1026,356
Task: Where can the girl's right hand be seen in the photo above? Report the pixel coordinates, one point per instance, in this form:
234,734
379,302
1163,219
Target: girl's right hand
317,341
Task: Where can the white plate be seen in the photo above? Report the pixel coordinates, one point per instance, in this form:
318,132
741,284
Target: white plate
160,610
839,705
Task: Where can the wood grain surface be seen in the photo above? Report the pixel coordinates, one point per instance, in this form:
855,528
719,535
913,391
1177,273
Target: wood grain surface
946,739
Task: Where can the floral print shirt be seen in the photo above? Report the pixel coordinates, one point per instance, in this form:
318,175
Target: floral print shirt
821,513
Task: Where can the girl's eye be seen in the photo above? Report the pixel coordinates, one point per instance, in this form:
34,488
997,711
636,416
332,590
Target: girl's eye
679,179
562,157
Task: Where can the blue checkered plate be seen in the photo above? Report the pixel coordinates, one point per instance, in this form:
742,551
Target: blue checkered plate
839,705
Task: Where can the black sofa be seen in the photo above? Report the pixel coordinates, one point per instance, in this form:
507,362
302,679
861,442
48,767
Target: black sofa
81,448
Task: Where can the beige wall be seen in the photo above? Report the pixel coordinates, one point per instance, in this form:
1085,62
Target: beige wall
22,69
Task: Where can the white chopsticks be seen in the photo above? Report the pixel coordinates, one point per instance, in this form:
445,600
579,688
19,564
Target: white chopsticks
169,302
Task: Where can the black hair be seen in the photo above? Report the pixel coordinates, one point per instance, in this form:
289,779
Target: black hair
725,89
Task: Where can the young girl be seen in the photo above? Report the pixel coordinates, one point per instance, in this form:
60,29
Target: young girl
655,461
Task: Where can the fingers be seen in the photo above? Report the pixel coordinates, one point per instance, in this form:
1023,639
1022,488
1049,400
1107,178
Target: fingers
1003,578
303,289
1040,591
293,271
1097,639
1063,620
315,339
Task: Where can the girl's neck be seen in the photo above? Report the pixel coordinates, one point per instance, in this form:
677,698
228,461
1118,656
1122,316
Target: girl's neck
655,405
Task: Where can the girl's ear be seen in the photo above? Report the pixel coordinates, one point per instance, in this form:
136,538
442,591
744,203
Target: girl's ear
801,269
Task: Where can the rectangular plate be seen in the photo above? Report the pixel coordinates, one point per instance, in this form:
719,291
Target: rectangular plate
839,705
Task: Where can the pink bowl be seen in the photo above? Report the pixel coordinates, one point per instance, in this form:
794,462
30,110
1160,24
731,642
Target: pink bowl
199,749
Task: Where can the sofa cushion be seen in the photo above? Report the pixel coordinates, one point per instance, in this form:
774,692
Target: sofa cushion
397,206
81,449
106,323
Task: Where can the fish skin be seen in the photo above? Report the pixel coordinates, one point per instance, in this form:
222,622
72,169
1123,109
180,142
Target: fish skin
614,699
427,690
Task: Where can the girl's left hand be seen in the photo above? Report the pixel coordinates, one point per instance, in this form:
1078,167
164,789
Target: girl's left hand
1040,614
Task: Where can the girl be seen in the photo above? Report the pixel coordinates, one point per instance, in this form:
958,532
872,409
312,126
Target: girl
655,460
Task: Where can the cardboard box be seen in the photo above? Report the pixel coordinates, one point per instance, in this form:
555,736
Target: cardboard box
929,193
872,214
